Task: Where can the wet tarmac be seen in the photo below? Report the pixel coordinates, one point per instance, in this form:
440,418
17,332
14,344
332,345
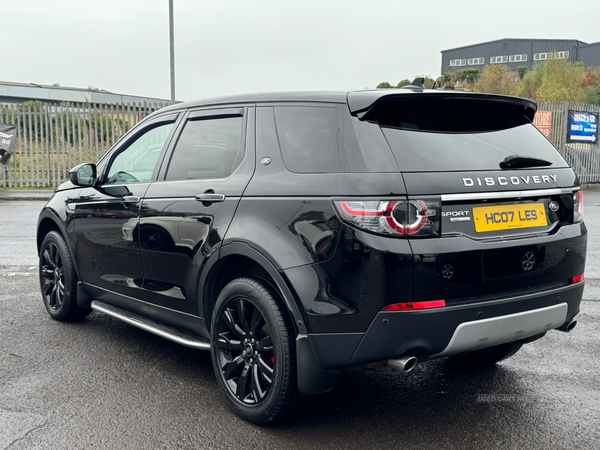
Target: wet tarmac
103,384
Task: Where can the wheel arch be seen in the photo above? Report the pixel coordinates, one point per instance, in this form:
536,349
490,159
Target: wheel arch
236,260
48,222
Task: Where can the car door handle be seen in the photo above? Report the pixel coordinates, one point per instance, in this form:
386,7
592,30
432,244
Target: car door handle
129,199
210,197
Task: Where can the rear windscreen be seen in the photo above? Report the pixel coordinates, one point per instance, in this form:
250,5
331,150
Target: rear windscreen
459,134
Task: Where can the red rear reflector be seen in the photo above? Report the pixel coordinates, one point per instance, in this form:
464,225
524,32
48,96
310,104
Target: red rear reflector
577,279
414,306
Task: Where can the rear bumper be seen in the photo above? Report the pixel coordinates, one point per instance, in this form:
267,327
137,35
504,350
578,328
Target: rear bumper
434,333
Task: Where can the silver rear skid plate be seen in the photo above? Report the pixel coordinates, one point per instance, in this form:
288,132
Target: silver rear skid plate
137,320
500,330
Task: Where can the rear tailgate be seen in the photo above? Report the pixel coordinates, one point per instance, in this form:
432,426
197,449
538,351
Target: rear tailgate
498,240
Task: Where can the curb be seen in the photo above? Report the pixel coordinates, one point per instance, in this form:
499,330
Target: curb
24,195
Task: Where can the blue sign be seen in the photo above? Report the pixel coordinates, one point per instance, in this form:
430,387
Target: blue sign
582,127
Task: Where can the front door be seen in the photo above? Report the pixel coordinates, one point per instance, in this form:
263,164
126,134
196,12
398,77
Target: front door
107,215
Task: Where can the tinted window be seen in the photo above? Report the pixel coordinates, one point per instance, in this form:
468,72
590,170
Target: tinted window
366,147
136,163
449,115
453,134
308,137
207,148
423,152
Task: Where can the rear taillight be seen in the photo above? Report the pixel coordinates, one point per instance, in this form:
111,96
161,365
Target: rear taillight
413,306
577,206
408,218
577,279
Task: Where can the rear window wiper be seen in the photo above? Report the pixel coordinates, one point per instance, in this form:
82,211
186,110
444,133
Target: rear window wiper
518,162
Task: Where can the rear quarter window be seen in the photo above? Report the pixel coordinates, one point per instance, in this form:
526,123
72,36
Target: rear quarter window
308,137
327,139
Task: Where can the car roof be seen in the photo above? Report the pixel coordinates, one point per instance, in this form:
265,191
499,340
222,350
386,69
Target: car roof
265,97
357,101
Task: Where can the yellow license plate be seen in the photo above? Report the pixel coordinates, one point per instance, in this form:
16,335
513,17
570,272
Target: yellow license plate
507,217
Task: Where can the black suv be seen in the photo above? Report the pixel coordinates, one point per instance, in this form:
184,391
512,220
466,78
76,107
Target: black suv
297,234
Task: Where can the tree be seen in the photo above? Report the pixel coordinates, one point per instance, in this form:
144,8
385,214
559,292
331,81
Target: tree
559,80
522,70
591,86
404,82
429,82
467,77
384,85
562,81
531,82
590,78
496,79
555,80
447,80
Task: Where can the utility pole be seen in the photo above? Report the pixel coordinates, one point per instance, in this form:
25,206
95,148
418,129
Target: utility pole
172,45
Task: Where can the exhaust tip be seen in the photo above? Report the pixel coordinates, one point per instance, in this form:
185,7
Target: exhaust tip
404,364
568,326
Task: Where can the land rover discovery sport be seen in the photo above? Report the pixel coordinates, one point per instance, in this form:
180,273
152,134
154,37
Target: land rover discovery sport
295,234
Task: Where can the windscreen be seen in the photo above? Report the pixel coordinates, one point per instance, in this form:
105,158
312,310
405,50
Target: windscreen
452,134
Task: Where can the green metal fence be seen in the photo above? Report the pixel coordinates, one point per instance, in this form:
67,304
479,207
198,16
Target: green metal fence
583,157
53,138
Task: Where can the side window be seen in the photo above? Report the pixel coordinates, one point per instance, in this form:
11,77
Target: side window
308,137
208,147
136,163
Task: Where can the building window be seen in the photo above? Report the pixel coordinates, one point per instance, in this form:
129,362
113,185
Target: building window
498,59
475,61
542,56
458,62
517,58
561,55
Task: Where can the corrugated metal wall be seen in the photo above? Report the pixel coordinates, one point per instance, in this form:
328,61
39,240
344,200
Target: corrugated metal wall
589,55
507,47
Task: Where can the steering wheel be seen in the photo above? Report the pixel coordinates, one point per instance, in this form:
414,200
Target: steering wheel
123,177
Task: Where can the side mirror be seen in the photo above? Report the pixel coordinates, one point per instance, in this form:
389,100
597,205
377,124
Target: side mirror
83,175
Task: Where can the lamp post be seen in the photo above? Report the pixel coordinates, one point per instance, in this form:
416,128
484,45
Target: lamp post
172,45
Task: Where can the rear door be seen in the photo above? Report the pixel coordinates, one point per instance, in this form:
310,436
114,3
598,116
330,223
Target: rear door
185,214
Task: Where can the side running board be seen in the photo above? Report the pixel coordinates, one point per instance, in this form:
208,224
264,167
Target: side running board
137,320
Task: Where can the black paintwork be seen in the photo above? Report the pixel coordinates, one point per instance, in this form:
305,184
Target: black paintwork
425,333
166,255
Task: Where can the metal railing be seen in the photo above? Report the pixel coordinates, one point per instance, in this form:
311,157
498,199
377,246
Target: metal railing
53,138
583,157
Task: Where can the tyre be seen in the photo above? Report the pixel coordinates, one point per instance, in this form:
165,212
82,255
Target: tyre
486,356
254,353
58,280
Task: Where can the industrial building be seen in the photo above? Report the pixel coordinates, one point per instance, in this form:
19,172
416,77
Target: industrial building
55,94
519,52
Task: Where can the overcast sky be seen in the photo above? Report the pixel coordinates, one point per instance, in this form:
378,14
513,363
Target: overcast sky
236,46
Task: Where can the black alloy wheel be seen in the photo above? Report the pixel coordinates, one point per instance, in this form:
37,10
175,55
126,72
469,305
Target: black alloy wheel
253,352
53,277
58,280
245,350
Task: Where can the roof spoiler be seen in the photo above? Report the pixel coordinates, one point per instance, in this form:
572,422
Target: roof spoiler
361,102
